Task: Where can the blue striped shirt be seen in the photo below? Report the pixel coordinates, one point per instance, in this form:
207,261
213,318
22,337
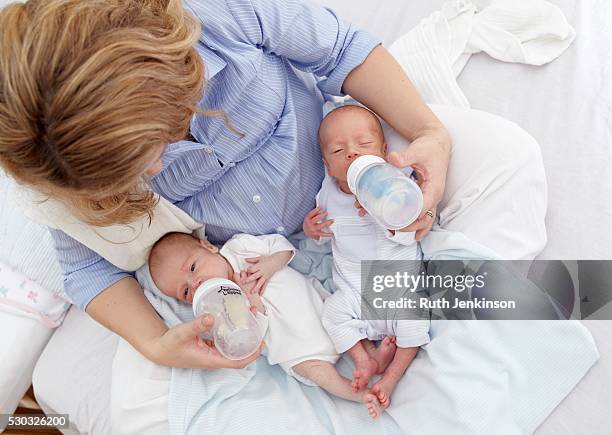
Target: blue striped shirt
268,64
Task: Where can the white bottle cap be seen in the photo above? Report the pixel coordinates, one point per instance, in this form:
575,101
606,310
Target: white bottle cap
358,166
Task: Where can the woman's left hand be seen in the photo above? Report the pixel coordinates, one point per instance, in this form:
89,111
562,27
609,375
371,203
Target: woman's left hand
429,158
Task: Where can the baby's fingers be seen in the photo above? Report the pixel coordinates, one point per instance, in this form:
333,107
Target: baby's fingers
259,286
263,287
254,277
324,224
253,260
313,212
239,277
319,217
253,269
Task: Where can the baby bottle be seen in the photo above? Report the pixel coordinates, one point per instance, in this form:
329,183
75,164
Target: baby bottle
235,333
387,193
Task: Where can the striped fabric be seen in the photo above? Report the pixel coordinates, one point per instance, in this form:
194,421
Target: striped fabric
263,58
356,239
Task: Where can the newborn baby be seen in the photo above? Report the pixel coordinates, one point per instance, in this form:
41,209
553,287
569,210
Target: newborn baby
284,298
345,134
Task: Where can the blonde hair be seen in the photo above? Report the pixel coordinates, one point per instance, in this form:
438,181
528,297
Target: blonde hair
90,93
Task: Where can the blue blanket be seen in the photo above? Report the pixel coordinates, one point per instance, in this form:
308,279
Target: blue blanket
473,376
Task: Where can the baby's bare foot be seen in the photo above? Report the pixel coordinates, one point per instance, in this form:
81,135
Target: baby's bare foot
384,353
371,402
383,390
364,370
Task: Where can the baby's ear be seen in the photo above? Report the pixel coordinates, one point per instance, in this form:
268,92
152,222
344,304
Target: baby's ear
385,149
209,246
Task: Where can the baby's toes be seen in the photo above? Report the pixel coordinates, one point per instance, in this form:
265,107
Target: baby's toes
383,399
372,404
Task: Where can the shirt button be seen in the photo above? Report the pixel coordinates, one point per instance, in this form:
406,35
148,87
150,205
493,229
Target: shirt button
208,149
256,199
280,229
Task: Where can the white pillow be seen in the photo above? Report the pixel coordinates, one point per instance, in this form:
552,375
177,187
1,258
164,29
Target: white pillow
21,342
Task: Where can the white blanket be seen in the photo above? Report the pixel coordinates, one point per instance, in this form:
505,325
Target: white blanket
435,52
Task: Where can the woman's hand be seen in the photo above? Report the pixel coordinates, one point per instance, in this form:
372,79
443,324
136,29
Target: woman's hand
429,158
181,346
381,84
315,222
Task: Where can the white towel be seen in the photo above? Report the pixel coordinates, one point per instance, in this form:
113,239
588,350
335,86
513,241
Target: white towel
434,53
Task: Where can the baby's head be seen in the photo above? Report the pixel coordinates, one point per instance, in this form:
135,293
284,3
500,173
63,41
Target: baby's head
179,263
346,133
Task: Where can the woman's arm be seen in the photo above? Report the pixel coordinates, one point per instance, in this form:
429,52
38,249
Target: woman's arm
381,84
125,310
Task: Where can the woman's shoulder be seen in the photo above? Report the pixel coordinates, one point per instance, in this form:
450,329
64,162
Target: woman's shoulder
222,20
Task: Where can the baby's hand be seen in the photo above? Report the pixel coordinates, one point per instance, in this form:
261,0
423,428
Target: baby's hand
358,206
262,268
314,222
249,289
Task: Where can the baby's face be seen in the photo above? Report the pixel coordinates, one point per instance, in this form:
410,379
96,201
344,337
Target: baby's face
346,134
178,268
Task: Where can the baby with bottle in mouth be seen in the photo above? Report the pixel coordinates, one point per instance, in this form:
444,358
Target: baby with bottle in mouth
347,133
287,304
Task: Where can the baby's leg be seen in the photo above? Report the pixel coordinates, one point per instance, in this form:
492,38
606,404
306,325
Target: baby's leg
325,375
383,354
365,365
385,386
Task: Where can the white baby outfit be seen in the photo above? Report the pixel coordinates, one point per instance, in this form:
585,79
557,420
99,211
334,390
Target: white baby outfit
355,239
293,306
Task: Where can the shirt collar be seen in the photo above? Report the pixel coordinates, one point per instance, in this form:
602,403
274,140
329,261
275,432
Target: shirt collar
212,62
175,150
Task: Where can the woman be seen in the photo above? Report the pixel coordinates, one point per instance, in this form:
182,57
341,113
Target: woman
214,104
216,100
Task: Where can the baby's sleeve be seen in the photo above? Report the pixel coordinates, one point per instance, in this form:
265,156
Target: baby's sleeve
402,238
277,243
247,246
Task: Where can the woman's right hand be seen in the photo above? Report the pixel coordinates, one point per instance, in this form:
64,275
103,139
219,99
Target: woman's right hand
181,346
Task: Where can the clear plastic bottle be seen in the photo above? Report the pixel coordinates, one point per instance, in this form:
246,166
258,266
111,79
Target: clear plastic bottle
387,193
236,333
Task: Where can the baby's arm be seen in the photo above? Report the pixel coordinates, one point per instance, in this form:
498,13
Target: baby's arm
249,289
263,267
273,253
